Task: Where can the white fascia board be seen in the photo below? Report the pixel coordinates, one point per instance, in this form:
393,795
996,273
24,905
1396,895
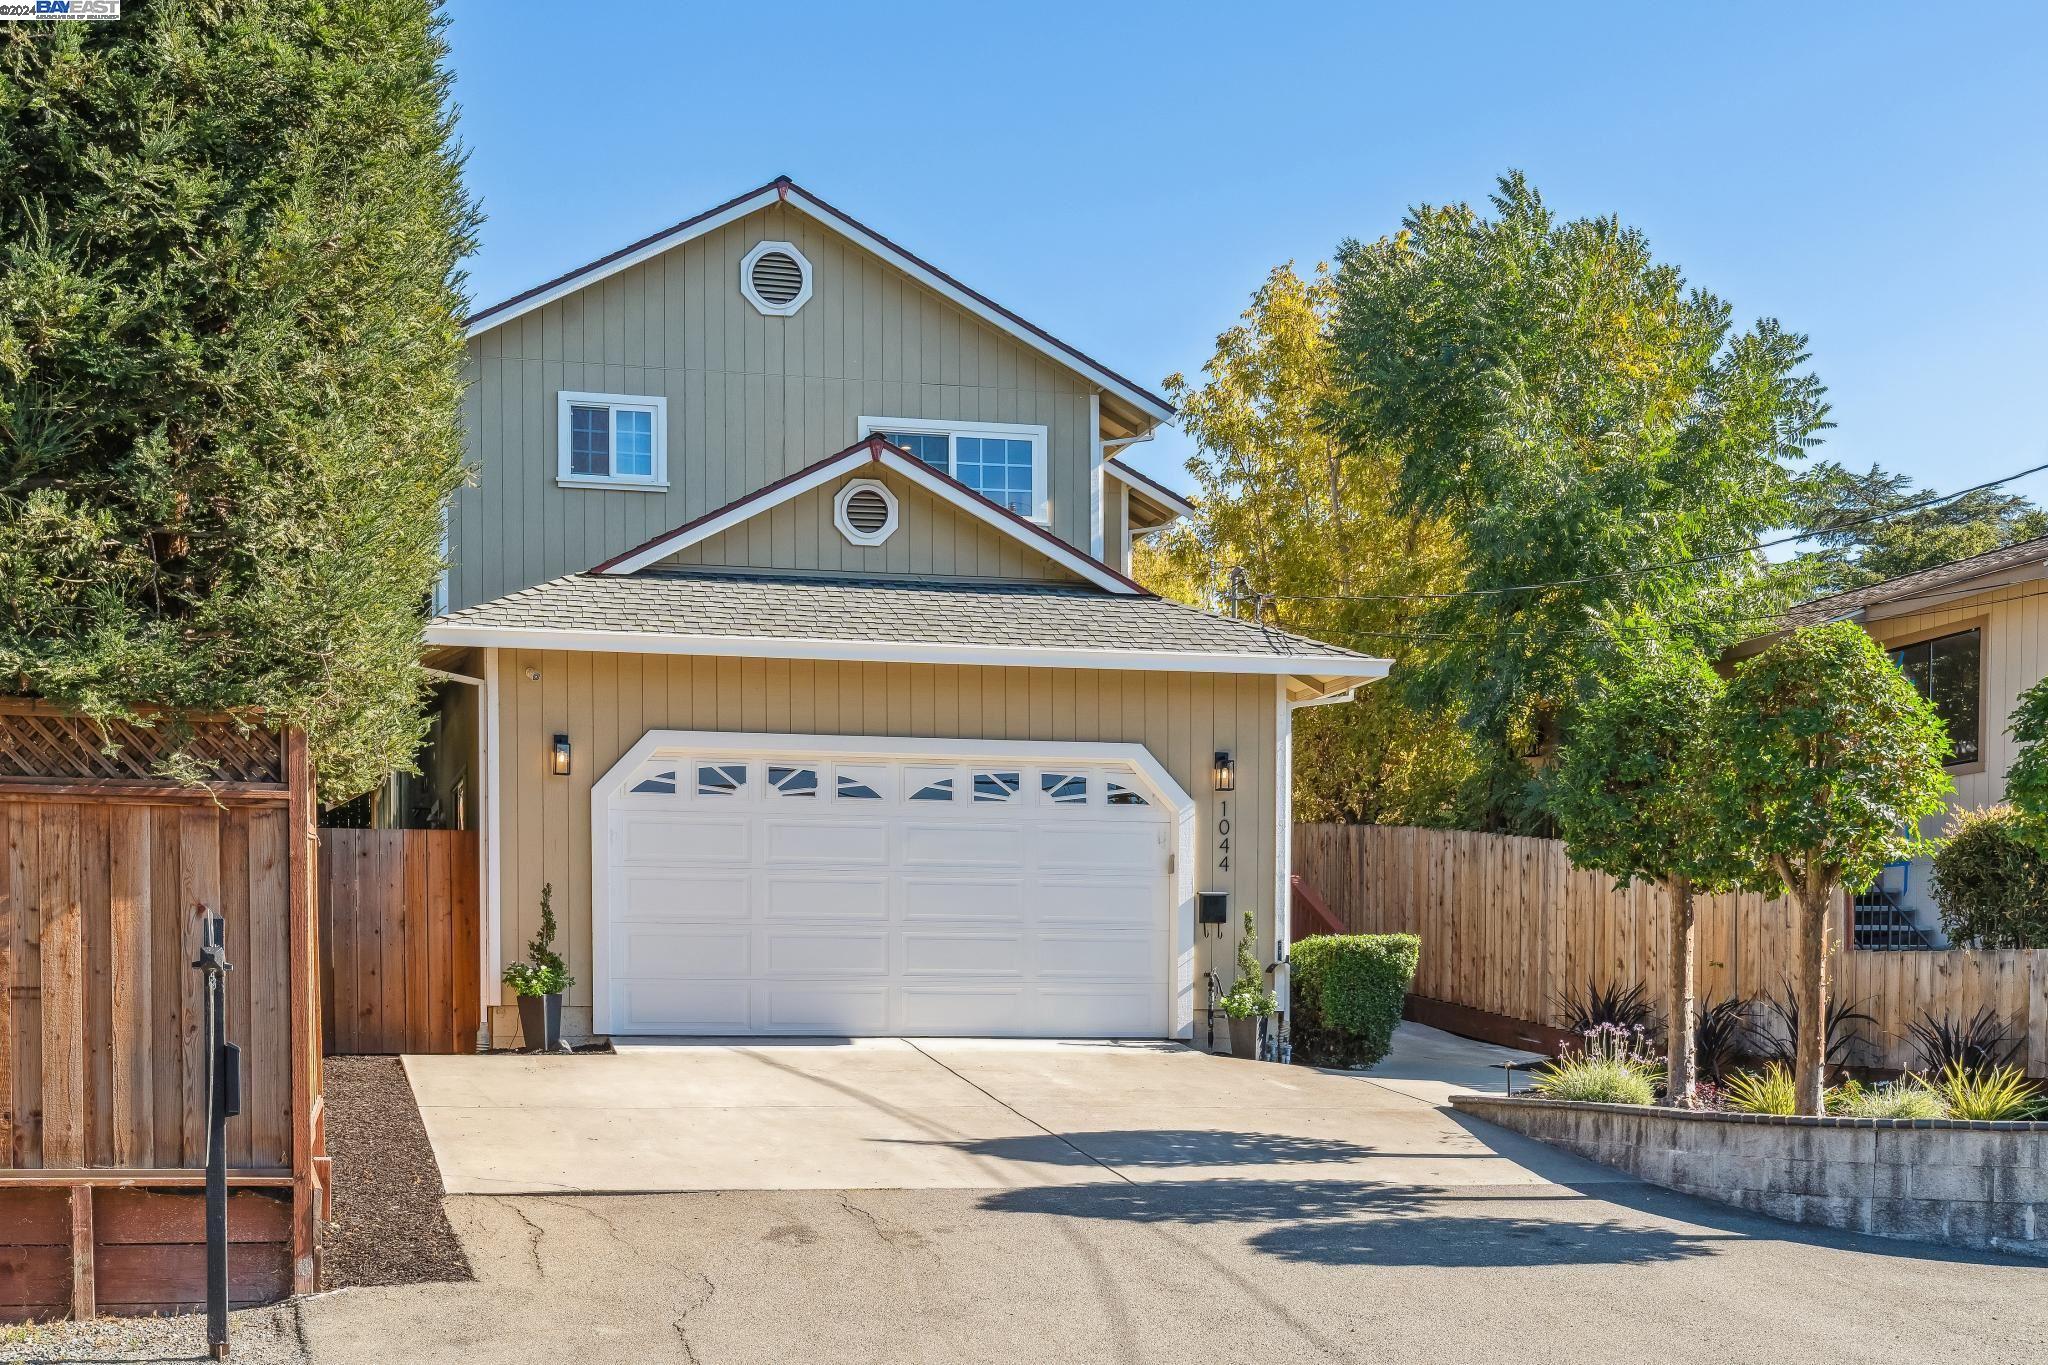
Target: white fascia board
1058,551
738,514
801,202
653,247
1333,668
914,470
923,274
1159,493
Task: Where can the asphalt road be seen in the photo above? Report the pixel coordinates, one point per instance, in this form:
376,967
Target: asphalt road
1174,1271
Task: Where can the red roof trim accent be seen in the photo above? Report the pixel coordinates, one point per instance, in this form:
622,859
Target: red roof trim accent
980,297
1137,476
763,491
875,447
649,240
783,186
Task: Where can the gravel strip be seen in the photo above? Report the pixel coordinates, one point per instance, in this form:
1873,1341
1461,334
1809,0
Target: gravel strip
256,1336
388,1224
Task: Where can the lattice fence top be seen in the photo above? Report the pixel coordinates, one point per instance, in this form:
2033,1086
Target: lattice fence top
49,746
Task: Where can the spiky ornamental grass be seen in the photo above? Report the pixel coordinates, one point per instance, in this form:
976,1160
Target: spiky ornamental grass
229,363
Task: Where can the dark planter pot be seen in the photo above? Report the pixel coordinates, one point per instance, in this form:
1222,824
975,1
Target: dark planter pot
1244,1038
540,1022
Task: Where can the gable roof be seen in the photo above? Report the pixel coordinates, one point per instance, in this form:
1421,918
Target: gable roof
873,450
783,189
747,613
1150,488
2000,563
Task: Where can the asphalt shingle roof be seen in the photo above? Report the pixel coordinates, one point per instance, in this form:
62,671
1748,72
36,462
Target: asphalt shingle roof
1914,584
787,607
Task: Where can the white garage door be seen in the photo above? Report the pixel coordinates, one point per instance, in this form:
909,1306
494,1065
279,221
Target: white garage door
808,893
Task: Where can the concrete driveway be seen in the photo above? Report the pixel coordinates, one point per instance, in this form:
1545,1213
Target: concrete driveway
892,1114
1005,1203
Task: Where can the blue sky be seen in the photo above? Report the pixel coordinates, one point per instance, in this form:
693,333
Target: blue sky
1874,175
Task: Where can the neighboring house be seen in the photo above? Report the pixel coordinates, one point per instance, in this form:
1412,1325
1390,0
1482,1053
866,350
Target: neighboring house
1972,636
790,641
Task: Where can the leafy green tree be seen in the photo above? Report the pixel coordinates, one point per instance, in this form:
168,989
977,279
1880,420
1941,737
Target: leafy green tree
1628,790
1826,759
1861,533
1585,419
2026,778
229,358
1313,530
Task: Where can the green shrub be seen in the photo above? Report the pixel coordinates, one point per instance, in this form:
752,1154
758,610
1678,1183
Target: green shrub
1986,1092
1596,1080
1348,990
1991,879
1906,1099
543,972
1769,1091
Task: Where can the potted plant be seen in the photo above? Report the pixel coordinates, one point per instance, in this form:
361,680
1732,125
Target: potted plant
539,982
1248,1000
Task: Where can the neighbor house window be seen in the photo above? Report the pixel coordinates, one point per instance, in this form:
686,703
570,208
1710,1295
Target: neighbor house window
1002,462
1949,671
613,441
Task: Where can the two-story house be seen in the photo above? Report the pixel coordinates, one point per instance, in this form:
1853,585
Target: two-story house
800,657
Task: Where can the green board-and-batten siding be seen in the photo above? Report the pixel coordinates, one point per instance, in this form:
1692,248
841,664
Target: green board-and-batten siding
750,399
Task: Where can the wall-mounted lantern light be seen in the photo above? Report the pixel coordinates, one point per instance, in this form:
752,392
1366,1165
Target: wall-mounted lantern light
1226,772
558,760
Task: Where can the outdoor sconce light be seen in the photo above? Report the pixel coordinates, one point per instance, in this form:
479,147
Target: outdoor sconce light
558,761
1226,772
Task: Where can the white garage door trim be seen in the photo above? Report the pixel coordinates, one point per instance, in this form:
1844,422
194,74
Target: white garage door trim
1180,976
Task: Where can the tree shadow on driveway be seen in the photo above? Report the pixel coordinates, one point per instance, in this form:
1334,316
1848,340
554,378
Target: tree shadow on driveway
1348,1222
1164,1148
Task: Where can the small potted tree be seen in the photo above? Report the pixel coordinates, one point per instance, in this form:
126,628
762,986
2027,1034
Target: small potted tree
539,982
1248,1000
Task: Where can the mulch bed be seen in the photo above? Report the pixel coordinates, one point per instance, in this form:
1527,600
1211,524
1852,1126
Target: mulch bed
389,1227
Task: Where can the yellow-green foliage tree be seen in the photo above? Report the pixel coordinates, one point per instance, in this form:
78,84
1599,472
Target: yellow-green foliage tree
1313,528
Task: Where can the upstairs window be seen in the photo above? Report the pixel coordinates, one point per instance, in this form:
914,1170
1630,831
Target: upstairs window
613,441
1005,463
1949,671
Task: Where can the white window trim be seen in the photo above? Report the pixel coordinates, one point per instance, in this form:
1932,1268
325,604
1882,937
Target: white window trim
853,533
656,483
761,305
1015,431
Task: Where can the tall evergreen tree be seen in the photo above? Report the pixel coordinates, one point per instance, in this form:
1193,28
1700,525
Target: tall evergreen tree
229,352
1318,539
1579,413
1863,532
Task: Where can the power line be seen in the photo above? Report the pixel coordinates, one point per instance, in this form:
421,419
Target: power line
1584,579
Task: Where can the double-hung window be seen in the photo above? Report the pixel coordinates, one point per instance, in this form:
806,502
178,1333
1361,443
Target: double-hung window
611,440
1004,462
1949,671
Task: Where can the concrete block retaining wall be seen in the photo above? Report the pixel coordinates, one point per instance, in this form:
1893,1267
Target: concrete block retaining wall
1968,1184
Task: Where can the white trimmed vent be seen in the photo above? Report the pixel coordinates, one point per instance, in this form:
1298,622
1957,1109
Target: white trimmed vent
865,512
775,278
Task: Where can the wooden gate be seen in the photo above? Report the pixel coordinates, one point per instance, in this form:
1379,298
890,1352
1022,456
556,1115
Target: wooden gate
398,916
104,870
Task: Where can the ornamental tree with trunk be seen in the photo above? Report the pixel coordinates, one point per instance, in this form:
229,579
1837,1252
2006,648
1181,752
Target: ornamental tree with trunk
1825,761
1627,794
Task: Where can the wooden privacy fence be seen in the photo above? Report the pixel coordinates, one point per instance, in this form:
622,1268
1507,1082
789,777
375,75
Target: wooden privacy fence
399,916
103,870
1510,927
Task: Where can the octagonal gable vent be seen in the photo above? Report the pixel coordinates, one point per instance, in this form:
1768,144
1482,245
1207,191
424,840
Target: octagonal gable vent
775,278
865,512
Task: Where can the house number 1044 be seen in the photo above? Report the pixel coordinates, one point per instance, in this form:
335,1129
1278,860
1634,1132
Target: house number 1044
1223,836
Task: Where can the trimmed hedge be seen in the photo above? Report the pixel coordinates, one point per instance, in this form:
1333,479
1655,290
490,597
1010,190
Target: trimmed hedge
1991,880
1348,990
